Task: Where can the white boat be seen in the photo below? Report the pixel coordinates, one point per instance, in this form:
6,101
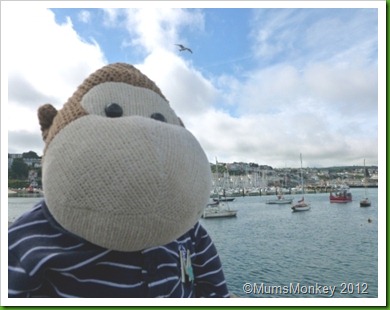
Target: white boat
301,205
365,202
217,210
280,200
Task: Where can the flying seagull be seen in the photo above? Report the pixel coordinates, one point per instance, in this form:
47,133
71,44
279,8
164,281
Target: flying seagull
183,48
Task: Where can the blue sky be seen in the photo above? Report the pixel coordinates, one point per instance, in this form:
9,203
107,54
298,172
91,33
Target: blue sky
262,85
214,32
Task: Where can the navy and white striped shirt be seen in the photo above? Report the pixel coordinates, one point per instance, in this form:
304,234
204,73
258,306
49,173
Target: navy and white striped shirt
44,260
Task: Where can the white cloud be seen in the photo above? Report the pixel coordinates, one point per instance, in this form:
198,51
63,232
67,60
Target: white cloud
153,28
46,61
189,93
37,45
271,31
84,16
351,89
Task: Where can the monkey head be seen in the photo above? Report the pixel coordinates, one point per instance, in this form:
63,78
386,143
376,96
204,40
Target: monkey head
119,168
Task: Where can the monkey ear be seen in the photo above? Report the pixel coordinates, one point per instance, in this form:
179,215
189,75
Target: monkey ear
46,114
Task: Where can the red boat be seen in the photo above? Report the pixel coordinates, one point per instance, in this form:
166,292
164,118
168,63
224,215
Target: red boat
30,190
340,196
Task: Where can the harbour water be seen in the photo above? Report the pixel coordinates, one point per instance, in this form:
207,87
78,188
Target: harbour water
268,251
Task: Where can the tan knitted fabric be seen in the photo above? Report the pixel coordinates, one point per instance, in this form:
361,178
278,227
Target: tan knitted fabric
125,183
118,72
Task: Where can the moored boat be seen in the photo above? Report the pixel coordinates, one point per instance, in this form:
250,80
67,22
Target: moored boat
224,198
218,210
340,195
365,202
301,205
280,200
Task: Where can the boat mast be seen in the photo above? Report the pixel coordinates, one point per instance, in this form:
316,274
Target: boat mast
303,191
365,179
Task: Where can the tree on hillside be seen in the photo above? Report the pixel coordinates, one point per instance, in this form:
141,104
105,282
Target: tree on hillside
221,168
19,169
30,154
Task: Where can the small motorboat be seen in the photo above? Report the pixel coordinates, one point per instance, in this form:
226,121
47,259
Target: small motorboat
341,195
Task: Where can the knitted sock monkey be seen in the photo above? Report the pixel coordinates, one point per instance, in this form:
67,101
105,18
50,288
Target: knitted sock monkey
125,185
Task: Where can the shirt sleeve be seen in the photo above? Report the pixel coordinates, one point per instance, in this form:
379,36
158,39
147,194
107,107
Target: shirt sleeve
20,284
209,277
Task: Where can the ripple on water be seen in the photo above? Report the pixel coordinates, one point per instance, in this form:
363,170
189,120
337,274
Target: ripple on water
329,245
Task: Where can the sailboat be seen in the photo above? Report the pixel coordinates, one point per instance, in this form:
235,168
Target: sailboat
217,210
301,205
365,202
280,199
222,197
219,207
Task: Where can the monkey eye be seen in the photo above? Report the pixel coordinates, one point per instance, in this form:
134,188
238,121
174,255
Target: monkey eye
158,117
113,110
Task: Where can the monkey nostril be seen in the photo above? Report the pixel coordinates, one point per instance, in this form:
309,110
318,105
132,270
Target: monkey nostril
158,117
113,110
